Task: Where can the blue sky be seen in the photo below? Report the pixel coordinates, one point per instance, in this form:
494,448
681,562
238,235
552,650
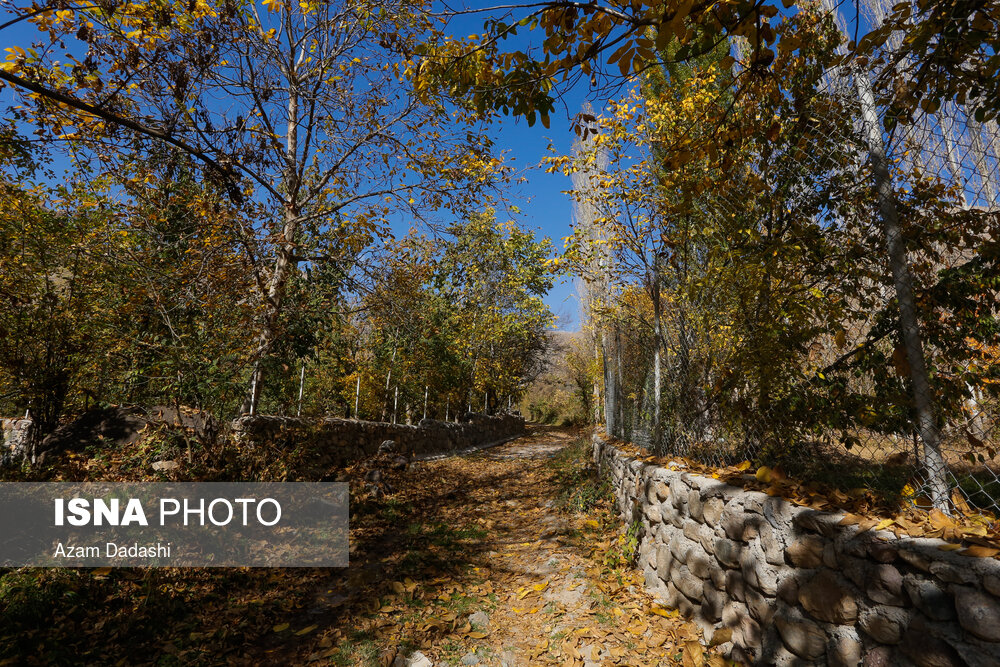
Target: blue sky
544,205
545,208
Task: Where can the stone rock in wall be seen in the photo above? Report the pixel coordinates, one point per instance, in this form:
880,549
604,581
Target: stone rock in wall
885,585
802,637
688,584
712,511
695,506
824,523
762,607
788,587
929,598
926,650
670,515
884,624
806,551
879,656
652,512
650,492
700,534
664,559
770,541
717,576
753,501
991,582
953,573
780,513
855,569
679,495
828,598
844,648
756,570
652,580
733,613
680,546
733,519
698,563
672,596
727,552
746,631
978,612
882,552
830,557
735,585
713,602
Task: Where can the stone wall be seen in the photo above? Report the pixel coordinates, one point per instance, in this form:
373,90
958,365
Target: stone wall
776,583
355,440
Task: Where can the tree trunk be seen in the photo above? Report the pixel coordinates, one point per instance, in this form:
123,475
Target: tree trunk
610,387
654,294
954,164
979,154
285,252
909,326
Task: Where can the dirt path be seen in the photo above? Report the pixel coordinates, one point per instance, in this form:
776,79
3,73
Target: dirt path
476,560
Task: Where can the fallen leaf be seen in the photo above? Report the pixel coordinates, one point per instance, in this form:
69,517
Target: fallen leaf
721,636
281,627
694,654
980,552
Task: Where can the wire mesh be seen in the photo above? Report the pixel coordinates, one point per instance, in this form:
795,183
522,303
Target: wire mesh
802,365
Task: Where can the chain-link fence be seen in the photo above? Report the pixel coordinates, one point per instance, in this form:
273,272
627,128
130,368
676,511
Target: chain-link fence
829,305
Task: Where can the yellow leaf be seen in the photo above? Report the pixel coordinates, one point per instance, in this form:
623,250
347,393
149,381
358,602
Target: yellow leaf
949,547
840,339
939,519
280,627
694,654
541,587
477,634
977,530
721,636
980,552
883,524
101,572
745,465
306,630
763,474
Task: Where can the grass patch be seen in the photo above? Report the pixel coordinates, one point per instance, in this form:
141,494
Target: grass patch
580,486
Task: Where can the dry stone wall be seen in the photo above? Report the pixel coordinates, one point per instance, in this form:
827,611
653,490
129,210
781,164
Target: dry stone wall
352,440
775,583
